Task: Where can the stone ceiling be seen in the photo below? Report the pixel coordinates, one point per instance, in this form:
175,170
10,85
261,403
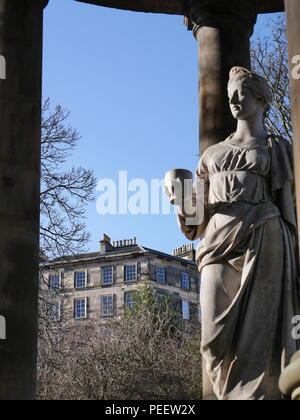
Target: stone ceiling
177,7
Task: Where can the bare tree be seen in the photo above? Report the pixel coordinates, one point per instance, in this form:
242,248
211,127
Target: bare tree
149,354
65,191
270,59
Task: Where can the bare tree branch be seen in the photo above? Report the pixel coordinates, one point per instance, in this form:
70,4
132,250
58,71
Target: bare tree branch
64,192
270,59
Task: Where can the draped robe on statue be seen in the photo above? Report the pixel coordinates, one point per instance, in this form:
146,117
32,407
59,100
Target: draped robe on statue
248,258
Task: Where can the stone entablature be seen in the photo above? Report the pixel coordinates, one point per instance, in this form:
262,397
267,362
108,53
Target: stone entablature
177,7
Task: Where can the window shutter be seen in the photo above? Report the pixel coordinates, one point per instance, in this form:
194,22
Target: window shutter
86,278
115,307
87,307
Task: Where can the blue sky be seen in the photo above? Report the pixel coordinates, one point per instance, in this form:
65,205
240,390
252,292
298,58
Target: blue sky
130,81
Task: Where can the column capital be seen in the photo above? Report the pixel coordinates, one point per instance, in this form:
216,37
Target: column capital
44,3
290,378
216,13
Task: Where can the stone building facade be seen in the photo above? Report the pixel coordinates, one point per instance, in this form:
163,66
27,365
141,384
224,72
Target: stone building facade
99,285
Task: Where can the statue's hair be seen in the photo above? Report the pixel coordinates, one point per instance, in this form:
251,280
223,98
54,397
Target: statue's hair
254,82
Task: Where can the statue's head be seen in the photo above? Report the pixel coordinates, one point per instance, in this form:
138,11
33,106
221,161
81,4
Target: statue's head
249,94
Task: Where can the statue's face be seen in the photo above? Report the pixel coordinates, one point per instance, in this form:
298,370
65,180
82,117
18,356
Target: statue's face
243,103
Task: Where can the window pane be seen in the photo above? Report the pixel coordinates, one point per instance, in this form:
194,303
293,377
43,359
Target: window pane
185,310
130,273
107,275
80,308
80,279
185,281
129,302
107,305
54,282
161,274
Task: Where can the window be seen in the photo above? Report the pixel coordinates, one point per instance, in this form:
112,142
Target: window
107,305
185,310
185,281
80,308
129,302
54,282
161,274
107,275
55,312
130,273
80,279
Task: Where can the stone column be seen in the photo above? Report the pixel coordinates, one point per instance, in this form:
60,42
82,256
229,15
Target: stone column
21,25
223,29
290,378
293,26
289,382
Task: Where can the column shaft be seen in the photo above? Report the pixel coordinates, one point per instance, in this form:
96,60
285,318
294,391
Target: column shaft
223,29
20,122
293,24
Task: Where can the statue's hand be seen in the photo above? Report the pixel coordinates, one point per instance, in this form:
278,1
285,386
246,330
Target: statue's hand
177,181
173,190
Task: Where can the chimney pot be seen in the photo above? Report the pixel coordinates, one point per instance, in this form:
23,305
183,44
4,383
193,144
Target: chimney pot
106,238
105,244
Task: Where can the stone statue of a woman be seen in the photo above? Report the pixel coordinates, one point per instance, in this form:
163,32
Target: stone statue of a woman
247,253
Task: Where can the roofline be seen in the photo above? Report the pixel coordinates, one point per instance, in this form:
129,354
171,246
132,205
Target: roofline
110,255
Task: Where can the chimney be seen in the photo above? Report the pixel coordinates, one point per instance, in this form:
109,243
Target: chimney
105,244
187,252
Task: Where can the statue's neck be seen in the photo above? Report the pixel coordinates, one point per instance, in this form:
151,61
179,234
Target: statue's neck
251,128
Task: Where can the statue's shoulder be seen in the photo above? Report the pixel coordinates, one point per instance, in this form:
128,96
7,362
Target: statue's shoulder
214,147
281,147
280,141
282,160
